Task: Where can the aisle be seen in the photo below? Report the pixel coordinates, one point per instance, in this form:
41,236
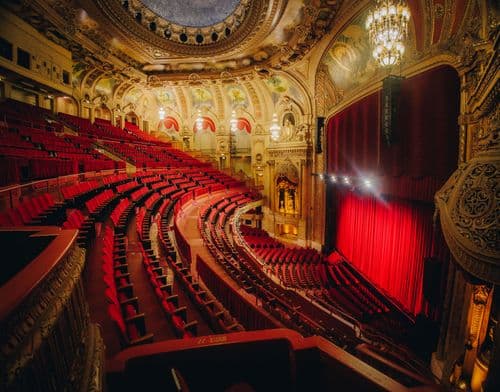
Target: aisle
156,320
94,287
187,222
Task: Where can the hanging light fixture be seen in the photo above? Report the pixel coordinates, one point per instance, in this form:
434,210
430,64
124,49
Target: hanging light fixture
161,114
275,128
387,27
233,123
199,121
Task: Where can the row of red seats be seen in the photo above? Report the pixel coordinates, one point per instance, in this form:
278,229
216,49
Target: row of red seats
150,180
216,315
123,308
127,186
139,194
280,254
177,315
140,134
80,189
104,128
85,226
121,214
152,200
114,179
96,205
41,209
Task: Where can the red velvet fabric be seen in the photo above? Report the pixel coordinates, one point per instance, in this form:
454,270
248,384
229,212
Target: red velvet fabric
427,148
387,241
353,137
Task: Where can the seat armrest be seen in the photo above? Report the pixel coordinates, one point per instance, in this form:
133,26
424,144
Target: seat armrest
148,338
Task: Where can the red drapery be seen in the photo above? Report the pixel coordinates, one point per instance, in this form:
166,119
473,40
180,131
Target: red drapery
426,152
388,242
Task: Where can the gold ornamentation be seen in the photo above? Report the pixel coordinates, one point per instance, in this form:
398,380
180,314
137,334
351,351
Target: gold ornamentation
50,326
469,207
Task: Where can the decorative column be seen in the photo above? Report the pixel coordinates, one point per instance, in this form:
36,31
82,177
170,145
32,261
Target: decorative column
488,360
468,206
480,304
271,196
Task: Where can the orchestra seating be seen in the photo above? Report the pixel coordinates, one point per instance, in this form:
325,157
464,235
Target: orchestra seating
294,287
32,146
123,307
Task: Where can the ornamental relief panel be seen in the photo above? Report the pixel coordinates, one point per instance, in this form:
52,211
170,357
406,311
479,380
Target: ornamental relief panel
289,170
469,207
477,208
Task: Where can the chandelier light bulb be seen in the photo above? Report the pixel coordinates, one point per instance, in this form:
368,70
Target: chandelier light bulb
387,27
199,122
161,114
233,122
275,128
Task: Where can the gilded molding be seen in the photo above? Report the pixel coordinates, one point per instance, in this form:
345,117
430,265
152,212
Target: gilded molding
50,328
469,207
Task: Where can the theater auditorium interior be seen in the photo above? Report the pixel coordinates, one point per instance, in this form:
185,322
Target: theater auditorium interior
249,195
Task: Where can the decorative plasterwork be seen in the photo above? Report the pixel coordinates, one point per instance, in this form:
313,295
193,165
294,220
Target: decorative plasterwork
52,325
296,152
469,209
288,170
202,30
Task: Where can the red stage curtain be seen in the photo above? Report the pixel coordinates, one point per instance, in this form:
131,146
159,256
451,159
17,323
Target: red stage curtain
427,149
353,137
387,241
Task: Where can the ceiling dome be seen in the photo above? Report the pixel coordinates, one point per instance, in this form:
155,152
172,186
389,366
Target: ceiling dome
193,13
190,22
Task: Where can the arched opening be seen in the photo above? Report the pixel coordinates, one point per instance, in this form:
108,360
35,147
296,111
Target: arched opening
66,105
204,135
103,113
131,117
385,228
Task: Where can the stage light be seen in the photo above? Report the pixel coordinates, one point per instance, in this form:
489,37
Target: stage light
347,180
367,182
333,178
320,176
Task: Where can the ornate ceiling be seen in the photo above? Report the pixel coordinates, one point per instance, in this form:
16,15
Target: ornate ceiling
195,13
187,36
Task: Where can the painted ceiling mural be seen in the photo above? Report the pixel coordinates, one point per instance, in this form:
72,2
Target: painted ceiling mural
166,98
282,89
277,84
349,59
106,86
201,97
78,73
132,96
237,96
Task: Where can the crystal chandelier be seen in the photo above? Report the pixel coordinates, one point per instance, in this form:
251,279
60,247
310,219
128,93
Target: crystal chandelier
161,114
387,27
233,122
275,128
199,121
